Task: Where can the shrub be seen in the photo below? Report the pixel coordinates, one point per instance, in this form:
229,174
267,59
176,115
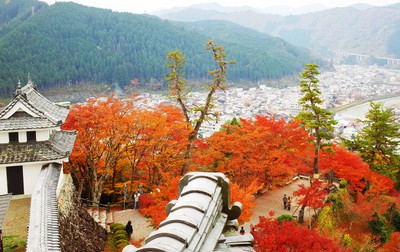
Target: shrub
121,243
114,227
118,237
284,217
343,183
379,227
13,243
346,240
396,221
325,220
123,232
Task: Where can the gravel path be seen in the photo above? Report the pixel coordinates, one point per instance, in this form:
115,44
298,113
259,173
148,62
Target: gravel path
140,225
273,201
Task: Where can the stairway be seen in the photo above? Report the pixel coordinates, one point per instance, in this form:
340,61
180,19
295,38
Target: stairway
101,216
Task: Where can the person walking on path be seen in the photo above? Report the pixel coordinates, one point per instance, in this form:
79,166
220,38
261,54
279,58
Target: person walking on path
289,202
136,196
129,229
242,231
284,201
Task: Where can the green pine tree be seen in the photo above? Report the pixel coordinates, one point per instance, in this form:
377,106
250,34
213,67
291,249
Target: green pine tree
317,120
378,141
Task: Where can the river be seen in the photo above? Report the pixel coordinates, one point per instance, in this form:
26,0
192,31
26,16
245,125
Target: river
360,110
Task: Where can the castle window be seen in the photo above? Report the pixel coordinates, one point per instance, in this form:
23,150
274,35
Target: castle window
13,137
31,136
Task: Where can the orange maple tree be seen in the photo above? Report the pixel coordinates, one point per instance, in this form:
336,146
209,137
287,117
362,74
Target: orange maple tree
265,150
246,198
99,144
118,142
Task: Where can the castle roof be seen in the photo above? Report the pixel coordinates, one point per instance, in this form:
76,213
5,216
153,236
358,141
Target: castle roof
30,109
59,146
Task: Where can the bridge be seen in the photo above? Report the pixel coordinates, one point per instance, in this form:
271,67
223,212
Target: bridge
364,57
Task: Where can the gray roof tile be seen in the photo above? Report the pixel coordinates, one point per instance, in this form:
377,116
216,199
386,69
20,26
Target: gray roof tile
25,122
43,234
197,219
59,147
56,112
4,200
33,100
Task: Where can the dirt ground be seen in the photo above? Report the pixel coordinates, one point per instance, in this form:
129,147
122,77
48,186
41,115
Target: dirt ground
17,217
141,228
273,201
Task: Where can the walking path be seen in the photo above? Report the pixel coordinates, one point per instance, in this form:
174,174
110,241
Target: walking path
141,228
270,201
273,201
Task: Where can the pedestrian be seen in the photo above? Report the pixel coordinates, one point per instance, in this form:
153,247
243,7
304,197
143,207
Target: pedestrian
242,231
129,229
136,196
289,202
284,201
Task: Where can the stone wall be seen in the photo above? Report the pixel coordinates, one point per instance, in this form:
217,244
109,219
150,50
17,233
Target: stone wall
78,230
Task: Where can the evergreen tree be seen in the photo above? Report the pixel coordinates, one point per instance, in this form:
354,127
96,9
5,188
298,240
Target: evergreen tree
378,141
316,119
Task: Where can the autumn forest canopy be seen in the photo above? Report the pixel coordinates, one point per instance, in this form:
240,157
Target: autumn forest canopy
123,143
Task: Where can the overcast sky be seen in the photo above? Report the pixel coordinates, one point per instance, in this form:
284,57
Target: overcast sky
149,6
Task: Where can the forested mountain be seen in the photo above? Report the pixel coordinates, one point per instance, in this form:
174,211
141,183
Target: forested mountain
241,41
358,29
70,43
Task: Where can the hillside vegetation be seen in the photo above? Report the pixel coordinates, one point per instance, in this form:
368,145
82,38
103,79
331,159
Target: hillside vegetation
358,29
70,43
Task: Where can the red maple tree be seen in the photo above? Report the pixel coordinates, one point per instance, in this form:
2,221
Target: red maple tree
269,235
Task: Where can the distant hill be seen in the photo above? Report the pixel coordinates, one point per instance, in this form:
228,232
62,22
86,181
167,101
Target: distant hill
362,29
240,41
70,43
208,6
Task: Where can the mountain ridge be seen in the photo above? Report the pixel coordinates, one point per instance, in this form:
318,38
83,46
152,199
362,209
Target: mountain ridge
359,28
71,43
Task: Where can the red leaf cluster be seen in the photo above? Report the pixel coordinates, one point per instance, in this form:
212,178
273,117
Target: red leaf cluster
270,236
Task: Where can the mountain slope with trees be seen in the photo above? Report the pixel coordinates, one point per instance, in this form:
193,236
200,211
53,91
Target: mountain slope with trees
70,43
364,30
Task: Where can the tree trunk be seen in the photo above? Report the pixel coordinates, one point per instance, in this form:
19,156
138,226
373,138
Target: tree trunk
188,153
316,153
301,214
